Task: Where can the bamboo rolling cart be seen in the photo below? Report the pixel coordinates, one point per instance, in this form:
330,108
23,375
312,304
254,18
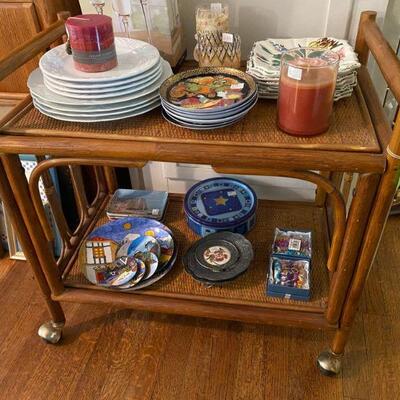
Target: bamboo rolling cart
359,141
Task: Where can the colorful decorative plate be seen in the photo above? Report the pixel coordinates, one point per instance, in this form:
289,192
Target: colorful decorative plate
138,277
208,89
151,262
127,236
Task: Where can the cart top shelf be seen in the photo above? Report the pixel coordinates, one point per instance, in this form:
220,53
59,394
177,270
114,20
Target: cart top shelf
350,144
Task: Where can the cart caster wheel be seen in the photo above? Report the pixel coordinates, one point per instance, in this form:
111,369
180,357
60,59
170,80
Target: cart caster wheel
329,363
51,331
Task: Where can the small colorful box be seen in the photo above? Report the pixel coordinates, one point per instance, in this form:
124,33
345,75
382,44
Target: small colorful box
290,265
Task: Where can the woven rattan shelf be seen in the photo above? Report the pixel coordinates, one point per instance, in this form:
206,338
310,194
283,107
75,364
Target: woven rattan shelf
351,129
251,287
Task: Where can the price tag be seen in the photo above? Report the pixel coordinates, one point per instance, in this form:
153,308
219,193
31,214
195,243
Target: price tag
294,244
237,86
294,73
227,37
216,8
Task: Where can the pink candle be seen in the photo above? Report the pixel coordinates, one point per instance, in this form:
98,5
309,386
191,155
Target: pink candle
91,39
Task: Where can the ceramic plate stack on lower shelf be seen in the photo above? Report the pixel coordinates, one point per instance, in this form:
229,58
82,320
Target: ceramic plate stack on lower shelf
128,254
208,98
265,59
132,88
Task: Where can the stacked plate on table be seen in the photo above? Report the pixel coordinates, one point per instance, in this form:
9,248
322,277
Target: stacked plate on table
265,59
128,254
208,98
132,88
218,258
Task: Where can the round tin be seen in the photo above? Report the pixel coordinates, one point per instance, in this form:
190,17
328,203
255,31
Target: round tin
220,204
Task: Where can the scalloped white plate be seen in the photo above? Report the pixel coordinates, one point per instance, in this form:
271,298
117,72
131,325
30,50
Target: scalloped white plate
134,58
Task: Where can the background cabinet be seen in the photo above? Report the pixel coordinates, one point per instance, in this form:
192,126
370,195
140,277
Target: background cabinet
19,22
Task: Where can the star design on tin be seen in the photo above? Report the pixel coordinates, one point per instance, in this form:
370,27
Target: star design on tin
220,201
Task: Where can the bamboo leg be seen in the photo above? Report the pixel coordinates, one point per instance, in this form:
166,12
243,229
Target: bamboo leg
356,223
321,195
16,175
1,251
54,307
330,361
111,179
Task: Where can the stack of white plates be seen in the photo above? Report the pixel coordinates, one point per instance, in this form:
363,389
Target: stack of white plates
265,60
132,88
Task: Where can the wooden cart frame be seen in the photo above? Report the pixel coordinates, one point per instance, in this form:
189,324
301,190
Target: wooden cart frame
345,243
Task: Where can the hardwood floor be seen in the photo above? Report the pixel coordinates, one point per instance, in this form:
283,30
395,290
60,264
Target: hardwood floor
122,354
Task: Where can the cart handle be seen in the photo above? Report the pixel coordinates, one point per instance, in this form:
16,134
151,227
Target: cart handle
370,39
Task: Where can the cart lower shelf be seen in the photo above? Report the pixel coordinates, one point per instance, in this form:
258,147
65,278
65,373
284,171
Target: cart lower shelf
244,299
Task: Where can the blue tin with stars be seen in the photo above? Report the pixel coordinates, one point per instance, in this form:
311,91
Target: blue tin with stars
220,204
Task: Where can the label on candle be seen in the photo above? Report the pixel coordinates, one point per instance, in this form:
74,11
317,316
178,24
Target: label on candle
216,8
227,37
294,73
237,86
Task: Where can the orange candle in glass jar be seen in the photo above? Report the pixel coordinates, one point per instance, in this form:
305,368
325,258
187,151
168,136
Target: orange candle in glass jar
307,86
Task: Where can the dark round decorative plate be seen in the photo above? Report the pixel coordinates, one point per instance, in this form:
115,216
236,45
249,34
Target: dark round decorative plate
217,250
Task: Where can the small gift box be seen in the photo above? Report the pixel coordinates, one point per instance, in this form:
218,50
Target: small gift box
289,273
289,278
292,243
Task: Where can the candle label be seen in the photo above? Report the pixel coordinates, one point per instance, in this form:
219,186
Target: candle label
227,37
94,57
216,8
294,73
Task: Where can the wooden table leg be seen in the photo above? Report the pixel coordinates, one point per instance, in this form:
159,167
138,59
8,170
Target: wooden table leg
330,361
50,331
111,179
355,228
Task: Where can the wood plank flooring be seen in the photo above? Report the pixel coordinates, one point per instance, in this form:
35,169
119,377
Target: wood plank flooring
121,354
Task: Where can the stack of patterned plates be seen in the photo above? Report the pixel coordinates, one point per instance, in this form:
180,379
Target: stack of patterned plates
130,253
208,98
265,59
218,258
60,91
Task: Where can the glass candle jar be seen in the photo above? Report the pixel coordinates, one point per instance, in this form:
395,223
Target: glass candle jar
91,39
212,18
306,89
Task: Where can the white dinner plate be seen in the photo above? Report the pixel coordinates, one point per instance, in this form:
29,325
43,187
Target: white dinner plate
83,113
99,108
99,119
38,89
105,84
134,58
117,91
